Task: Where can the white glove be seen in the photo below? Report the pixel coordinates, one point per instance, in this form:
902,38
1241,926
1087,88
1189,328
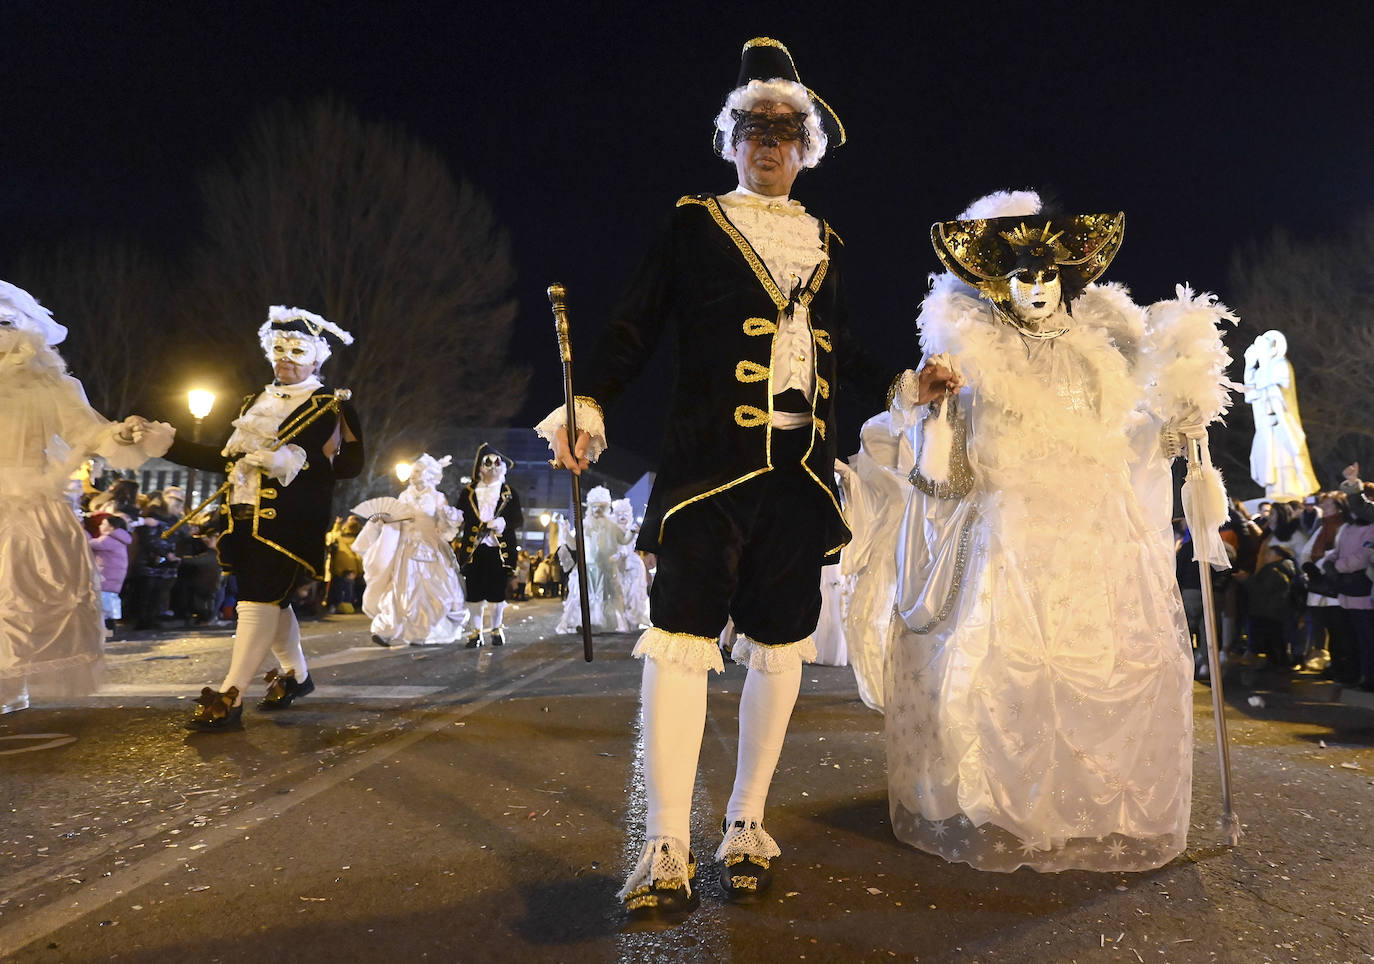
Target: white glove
282,464
497,525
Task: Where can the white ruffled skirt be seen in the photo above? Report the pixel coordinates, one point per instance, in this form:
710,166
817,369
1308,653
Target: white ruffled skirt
52,632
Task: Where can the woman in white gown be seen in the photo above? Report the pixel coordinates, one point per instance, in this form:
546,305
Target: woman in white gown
1039,685
51,628
603,540
414,594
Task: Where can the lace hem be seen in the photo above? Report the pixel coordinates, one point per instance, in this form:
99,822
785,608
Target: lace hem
748,840
663,859
589,420
694,652
773,659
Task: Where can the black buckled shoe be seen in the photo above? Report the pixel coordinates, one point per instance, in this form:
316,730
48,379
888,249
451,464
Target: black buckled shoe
216,711
381,642
746,855
663,893
498,638
283,690
474,640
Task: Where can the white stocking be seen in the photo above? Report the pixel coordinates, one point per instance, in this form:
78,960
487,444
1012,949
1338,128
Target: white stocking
673,704
764,709
496,610
476,609
255,635
287,646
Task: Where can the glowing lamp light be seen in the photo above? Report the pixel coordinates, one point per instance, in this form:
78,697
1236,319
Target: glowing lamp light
403,471
545,519
200,402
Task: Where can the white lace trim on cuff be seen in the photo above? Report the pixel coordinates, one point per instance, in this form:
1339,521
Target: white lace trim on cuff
588,420
773,659
684,649
121,455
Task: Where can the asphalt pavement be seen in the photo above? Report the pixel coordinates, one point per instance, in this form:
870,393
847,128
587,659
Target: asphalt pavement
447,804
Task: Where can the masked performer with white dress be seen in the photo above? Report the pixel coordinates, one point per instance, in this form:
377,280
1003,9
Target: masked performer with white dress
51,628
1039,686
413,592
291,441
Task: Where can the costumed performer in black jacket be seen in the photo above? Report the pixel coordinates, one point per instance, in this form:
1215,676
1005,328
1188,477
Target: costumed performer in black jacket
278,506
746,286
488,545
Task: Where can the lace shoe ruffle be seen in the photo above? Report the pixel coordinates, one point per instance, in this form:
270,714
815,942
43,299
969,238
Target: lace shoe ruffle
663,864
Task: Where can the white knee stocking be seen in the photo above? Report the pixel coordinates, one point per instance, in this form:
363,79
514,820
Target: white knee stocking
497,609
764,709
673,704
287,646
255,635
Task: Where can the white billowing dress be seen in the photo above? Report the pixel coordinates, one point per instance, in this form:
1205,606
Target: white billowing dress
51,628
1046,720
1279,459
414,593
875,495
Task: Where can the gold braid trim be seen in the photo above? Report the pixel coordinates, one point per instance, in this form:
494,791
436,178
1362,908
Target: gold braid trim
822,338
590,403
706,495
823,387
750,371
750,416
759,326
820,427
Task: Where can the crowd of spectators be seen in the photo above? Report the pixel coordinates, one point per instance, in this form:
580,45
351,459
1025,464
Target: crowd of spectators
150,579
1298,596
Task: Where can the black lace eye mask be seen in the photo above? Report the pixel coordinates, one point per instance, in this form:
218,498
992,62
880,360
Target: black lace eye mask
769,129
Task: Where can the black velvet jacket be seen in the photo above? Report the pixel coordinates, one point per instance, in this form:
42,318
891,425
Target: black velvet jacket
704,283
507,507
290,519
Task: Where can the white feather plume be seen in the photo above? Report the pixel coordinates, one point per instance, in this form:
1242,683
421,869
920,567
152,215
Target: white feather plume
1184,361
1002,204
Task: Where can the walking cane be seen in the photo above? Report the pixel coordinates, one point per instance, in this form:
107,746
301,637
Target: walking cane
560,321
340,396
1197,479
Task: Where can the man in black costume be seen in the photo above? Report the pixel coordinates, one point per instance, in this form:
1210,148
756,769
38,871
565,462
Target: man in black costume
488,545
744,510
277,508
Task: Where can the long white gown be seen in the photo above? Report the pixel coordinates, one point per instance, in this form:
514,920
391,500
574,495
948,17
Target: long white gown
51,629
414,593
1044,719
1279,459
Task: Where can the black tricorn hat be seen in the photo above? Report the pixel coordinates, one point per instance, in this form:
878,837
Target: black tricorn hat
764,58
486,449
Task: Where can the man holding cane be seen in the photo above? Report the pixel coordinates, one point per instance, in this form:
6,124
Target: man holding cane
744,510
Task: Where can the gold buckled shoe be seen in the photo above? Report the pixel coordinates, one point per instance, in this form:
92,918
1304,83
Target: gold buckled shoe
283,690
659,891
216,711
746,855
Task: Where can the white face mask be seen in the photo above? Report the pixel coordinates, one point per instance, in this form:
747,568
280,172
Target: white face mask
295,347
1035,293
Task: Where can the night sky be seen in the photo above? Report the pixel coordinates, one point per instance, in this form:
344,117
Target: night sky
583,123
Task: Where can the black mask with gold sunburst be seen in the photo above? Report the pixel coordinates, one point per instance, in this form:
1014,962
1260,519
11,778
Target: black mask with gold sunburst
988,252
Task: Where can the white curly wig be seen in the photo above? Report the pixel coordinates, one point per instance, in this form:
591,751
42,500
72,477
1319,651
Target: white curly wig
777,91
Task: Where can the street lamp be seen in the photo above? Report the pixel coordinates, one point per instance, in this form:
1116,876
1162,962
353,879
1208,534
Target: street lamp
403,471
544,520
199,401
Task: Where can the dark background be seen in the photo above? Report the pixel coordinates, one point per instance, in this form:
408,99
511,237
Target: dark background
1208,124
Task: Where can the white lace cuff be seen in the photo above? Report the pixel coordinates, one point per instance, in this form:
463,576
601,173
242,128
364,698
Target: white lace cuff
663,859
684,649
773,659
750,840
589,420
116,446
